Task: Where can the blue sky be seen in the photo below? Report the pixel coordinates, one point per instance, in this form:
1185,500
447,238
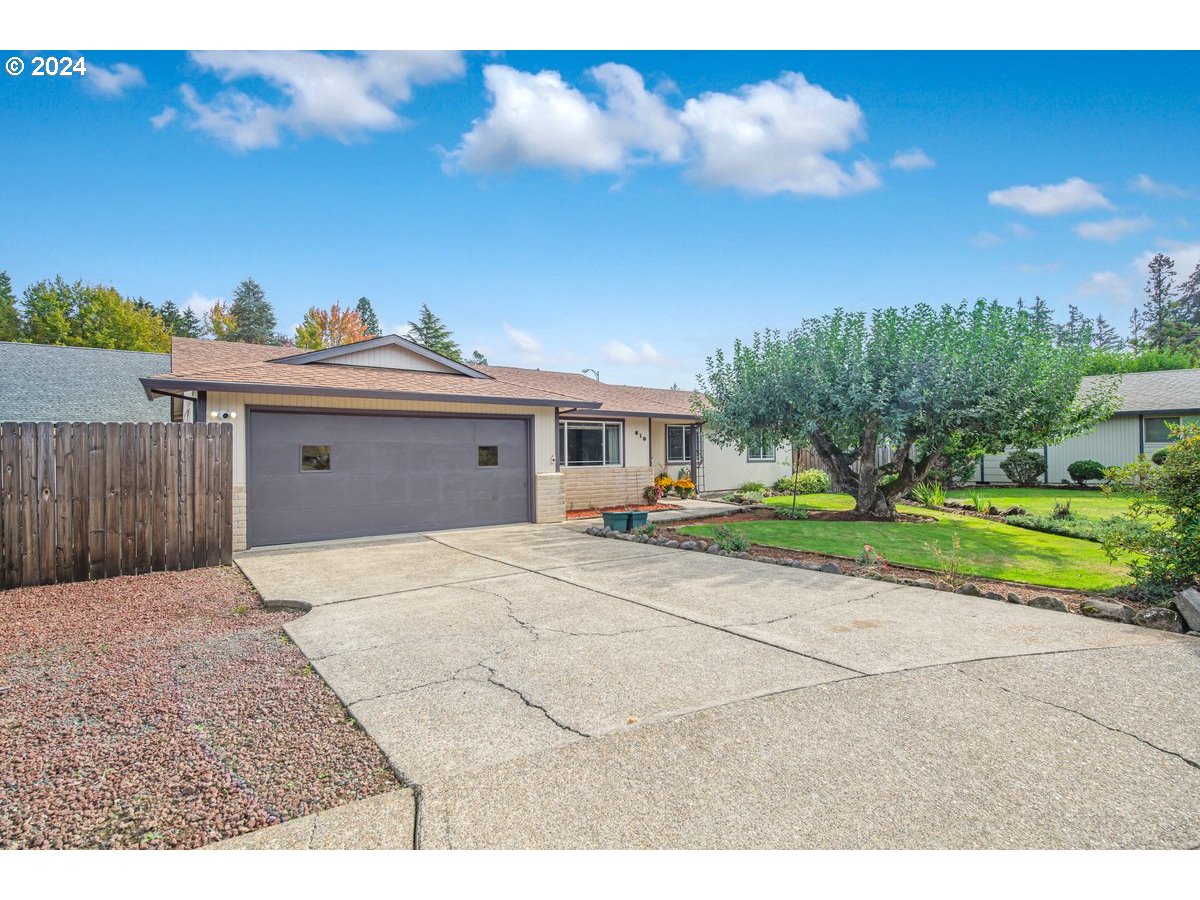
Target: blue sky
623,211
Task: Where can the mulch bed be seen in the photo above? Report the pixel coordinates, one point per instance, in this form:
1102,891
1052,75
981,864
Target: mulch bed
1025,591
164,710
594,513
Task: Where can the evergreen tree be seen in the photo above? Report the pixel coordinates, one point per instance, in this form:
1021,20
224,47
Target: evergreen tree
1189,306
180,322
253,317
366,314
1135,330
1160,312
478,359
1105,337
431,333
10,319
1078,325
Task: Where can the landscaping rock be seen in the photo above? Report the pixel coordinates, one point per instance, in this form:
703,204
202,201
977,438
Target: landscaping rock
1013,598
923,583
1048,601
702,546
1102,609
970,589
591,529
1161,618
743,555
713,548
674,545
1188,604
832,568
993,511
993,595
688,545
1014,511
812,567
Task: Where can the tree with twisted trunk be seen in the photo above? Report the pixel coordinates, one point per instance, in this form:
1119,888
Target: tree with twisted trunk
927,383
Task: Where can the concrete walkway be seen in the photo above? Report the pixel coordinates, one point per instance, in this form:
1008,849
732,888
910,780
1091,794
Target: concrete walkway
543,688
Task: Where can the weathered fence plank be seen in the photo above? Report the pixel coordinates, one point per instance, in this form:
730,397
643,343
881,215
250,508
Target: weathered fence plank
92,500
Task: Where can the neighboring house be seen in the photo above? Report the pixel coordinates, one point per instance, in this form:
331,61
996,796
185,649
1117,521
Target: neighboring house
384,436
43,383
1147,403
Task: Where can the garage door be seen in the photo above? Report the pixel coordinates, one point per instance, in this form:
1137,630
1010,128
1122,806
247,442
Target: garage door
315,476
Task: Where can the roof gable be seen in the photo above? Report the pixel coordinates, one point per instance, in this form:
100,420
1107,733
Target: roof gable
387,352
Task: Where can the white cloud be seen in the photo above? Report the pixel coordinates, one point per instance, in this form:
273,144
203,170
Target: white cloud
522,340
339,96
911,160
539,120
987,239
775,137
1186,257
1146,185
164,118
113,81
1106,286
1071,195
1112,230
770,137
199,304
623,354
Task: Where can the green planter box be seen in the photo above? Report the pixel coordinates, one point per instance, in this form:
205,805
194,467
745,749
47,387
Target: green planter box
638,520
617,521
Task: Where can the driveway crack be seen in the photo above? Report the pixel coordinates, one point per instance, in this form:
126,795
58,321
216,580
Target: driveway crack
493,679
1113,728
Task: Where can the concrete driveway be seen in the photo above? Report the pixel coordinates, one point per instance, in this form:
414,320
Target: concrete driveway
542,688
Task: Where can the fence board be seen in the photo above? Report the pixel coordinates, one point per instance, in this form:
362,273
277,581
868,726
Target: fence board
93,500
10,505
96,523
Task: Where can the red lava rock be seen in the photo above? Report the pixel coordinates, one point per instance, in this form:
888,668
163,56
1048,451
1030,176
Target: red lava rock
142,711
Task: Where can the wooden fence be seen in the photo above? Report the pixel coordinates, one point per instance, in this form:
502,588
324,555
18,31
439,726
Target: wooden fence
85,500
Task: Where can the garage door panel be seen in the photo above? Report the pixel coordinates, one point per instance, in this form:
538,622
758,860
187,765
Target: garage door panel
388,474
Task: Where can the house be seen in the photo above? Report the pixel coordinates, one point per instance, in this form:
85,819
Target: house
43,383
385,436
1147,402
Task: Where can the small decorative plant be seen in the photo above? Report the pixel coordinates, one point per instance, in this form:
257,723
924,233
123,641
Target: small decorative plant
949,564
653,493
731,540
1062,510
870,558
979,502
930,493
665,483
684,487
752,487
1084,470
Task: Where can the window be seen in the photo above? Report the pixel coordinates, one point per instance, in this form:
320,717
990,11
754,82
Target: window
176,409
679,443
1157,431
314,458
761,451
489,456
589,443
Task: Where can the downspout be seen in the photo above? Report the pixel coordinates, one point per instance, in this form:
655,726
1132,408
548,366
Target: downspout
558,443
1046,463
1141,434
695,473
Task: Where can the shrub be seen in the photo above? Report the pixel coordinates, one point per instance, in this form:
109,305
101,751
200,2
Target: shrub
752,487
786,512
1084,470
648,529
1084,529
929,493
1062,510
1024,467
729,539
806,481
1159,456
1163,522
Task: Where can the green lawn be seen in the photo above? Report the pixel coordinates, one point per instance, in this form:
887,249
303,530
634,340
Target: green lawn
1040,501
988,549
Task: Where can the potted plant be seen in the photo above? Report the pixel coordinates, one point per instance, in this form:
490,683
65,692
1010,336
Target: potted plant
617,520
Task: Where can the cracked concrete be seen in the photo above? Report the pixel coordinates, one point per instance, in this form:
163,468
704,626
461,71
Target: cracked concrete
541,688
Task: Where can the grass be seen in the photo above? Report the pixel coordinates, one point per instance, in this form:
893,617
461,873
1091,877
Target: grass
1040,501
989,549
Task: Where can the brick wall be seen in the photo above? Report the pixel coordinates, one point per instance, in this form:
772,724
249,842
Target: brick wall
239,517
550,501
587,488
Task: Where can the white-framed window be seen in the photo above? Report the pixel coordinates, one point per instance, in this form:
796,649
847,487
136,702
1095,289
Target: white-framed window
679,443
761,451
590,443
1157,430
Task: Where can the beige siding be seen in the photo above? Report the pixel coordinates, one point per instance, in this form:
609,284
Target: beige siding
390,357
1114,442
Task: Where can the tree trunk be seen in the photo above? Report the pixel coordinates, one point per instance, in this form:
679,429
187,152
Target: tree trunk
870,501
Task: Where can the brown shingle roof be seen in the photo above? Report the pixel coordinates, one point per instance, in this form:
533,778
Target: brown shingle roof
221,365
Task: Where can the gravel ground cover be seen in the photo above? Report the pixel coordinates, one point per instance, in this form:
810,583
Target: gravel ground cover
164,710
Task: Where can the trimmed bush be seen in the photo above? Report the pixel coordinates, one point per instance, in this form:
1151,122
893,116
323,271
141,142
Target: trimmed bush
1159,456
1085,470
1024,467
806,481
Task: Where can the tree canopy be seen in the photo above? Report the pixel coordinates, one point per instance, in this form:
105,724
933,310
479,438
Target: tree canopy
366,313
431,333
10,318
323,328
89,315
930,383
252,315
180,322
